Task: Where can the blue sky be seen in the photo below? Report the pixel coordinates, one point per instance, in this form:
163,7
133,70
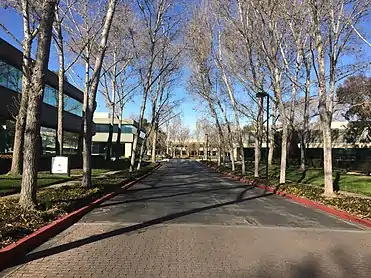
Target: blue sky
14,24
187,107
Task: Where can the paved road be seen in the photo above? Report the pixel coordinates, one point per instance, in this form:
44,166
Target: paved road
188,221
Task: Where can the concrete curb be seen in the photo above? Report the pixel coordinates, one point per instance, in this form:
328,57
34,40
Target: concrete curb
301,200
12,252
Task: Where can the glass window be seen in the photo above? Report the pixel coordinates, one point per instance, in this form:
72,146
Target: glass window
126,129
3,72
50,96
105,128
15,79
72,105
10,77
70,142
101,128
48,140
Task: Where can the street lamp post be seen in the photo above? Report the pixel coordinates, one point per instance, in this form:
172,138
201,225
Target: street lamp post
262,95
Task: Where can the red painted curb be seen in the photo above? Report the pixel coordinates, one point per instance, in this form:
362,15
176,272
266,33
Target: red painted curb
10,253
307,202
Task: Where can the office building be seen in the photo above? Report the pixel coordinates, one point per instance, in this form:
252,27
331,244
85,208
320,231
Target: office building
128,133
10,95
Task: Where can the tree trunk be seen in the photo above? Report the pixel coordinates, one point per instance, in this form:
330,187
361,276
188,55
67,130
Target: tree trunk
302,151
323,108
86,178
242,153
135,143
19,130
26,80
304,134
233,101
232,159
112,104
281,107
219,151
86,161
327,156
86,181
283,152
118,140
230,136
110,135
272,133
141,153
167,139
59,149
60,50
154,144
27,198
215,116
258,138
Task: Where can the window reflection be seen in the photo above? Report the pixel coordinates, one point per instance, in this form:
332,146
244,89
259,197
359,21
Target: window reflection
11,78
105,128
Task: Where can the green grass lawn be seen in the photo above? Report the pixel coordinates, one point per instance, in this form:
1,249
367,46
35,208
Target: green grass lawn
94,172
346,182
13,183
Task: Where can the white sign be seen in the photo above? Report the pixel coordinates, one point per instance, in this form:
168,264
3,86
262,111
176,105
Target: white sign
60,165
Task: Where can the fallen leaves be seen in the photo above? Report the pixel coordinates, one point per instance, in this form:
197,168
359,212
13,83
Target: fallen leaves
53,203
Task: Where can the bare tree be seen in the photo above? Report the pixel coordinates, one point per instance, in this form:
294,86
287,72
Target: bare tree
119,58
32,129
30,18
226,79
60,14
331,32
94,82
200,52
88,24
159,25
61,75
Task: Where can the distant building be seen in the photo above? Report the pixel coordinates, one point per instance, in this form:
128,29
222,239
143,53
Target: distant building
10,90
128,133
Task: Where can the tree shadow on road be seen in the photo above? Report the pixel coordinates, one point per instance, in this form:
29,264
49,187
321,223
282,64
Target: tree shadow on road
172,185
189,192
124,230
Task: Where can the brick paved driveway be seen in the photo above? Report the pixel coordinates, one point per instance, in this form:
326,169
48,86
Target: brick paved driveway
187,221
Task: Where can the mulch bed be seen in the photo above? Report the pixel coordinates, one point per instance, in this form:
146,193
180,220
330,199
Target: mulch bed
53,203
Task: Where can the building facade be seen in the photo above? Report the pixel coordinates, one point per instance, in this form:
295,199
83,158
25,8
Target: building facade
10,94
127,135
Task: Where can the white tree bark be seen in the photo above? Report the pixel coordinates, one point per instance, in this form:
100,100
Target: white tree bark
86,181
26,80
27,198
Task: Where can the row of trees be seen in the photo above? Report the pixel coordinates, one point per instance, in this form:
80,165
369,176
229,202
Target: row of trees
293,52
296,52
118,48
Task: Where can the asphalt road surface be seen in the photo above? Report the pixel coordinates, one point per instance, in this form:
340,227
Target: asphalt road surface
187,221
